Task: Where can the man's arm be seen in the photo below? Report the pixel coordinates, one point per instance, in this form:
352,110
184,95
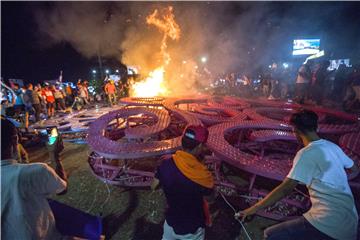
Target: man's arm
54,153
13,99
48,180
353,171
275,195
59,168
22,153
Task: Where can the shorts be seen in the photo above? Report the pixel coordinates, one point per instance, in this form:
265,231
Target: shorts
19,109
169,234
29,109
50,105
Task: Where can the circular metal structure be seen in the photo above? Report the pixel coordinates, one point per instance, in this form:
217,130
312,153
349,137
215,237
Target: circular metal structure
228,102
142,101
110,148
211,110
252,163
213,115
263,148
134,134
250,135
75,121
330,121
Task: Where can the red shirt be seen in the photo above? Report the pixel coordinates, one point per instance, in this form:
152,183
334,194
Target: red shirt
110,88
49,95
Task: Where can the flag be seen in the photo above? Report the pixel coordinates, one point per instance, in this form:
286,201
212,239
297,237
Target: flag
60,77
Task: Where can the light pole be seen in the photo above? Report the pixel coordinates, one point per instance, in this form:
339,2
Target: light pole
203,59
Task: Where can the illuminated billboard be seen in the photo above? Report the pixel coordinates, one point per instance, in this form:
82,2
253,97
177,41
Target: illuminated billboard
306,46
334,64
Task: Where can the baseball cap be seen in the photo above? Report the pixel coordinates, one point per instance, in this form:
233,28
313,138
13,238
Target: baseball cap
198,133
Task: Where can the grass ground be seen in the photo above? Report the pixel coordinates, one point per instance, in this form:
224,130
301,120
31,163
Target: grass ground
130,213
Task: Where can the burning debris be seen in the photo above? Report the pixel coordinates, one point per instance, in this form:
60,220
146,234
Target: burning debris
153,85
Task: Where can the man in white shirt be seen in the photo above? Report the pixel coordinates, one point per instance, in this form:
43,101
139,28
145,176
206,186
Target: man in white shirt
320,166
25,212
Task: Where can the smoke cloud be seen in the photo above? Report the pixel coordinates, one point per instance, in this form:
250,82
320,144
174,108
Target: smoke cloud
91,28
235,36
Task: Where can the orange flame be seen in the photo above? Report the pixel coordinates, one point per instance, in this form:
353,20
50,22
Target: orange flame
168,26
154,85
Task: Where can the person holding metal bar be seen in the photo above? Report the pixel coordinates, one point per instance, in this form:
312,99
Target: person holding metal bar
320,165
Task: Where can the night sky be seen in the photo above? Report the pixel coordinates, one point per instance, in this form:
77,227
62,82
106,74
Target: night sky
24,55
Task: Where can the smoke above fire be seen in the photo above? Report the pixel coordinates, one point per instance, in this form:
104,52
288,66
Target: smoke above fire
233,36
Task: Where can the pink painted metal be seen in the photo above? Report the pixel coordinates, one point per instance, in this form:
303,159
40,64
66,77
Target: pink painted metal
117,144
263,146
161,117
269,135
352,123
142,101
288,208
251,162
214,115
211,110
241,159
228,102
350,143
118,172
116,149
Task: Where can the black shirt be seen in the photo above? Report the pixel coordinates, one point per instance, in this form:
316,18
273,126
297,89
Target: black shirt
185,213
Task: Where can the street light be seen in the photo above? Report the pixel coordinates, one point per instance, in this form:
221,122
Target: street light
94,71
107,71
117,70
203,59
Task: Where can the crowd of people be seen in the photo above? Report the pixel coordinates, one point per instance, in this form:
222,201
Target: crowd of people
32,103
312,83
315,83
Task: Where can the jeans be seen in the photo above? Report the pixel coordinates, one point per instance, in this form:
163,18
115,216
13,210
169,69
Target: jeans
37,109
60,103
273,87
296,229
112,99
301,92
